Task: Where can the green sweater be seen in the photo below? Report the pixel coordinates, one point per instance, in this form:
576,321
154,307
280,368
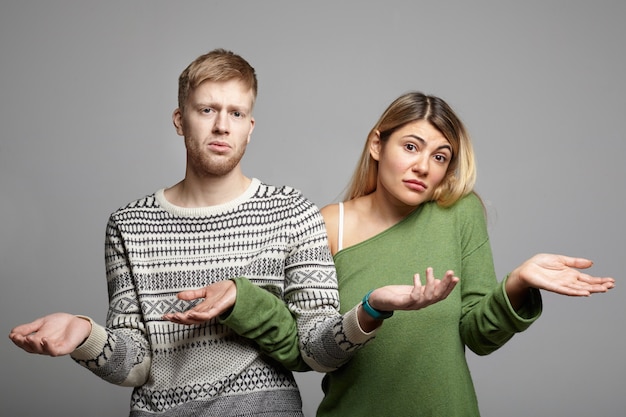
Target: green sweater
416,366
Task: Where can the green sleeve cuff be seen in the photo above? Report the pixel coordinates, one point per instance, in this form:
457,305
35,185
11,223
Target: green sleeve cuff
528,313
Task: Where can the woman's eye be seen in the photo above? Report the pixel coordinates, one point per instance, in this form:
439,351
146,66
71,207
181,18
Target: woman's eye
410,147
441,158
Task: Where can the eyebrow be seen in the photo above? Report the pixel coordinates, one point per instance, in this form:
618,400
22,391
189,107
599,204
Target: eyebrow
422,140
229,107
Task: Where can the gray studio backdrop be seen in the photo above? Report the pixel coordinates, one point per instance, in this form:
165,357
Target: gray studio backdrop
86,95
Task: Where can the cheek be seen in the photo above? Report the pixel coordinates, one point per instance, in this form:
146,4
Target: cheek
440,175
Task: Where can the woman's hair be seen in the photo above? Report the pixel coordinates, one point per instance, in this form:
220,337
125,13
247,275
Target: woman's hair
218,65
411,107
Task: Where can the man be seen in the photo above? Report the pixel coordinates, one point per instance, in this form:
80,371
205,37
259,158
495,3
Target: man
219,227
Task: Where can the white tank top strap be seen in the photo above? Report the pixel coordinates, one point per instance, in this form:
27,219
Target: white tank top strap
340,232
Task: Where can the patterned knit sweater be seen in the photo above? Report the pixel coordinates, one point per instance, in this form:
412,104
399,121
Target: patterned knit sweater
268,239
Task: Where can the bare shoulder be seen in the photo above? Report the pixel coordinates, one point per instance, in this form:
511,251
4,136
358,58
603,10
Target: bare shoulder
330,213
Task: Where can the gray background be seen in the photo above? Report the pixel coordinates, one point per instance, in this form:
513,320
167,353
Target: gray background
87,90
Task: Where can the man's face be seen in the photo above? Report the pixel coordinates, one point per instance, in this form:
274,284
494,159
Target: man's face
216,123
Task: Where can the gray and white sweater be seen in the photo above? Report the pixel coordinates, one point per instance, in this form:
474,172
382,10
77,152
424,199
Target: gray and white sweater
271,240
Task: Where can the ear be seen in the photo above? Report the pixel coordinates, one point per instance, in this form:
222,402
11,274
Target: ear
375,145
251,129
177,119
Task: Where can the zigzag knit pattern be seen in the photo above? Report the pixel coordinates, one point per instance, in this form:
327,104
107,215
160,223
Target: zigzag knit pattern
271,235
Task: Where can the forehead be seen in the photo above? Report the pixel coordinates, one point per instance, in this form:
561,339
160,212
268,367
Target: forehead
423,130
226,93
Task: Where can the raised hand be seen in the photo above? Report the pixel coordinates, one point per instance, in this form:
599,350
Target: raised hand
558,274
53,335
218,298
407,297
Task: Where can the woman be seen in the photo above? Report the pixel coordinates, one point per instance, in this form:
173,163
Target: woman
411,207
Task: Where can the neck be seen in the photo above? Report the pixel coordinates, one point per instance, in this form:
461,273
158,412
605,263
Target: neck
387,210
194,192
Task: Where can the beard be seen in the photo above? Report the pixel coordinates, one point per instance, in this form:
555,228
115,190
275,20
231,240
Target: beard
208,164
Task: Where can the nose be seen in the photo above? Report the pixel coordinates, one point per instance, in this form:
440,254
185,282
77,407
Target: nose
421,165
221,123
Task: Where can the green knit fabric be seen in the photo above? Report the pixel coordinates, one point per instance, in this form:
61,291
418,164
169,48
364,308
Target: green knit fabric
264,318
416,366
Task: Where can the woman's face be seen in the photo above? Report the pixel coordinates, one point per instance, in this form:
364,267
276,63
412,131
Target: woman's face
411,163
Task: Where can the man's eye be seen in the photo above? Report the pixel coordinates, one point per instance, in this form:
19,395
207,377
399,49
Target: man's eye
207,110
237,114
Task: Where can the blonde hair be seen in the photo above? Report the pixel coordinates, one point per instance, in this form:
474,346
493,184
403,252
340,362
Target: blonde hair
411,107
217,65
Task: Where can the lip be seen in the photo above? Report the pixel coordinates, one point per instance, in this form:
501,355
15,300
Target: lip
416,185
219,146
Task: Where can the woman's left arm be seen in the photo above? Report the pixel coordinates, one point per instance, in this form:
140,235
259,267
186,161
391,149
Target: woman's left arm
556,273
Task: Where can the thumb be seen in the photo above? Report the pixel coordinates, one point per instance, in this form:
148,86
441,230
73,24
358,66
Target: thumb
579,263
191,294
28,328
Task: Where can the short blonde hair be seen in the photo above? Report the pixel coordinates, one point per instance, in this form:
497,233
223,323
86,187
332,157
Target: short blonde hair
217,65
411,107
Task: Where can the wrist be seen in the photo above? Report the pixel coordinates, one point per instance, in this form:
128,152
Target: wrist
371,311
515,282
88,320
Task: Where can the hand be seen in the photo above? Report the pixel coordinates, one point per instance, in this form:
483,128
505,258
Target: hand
53,335
555,273
218,298
407,297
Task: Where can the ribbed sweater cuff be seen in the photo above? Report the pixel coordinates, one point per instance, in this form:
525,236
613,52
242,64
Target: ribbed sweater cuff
353,330
93,346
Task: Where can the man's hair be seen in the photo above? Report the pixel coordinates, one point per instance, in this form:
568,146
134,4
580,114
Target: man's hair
218,65
411,107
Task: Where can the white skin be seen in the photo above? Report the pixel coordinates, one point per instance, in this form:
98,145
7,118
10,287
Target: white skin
216,123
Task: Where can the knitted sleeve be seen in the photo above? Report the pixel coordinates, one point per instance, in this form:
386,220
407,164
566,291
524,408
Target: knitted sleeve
327,339
118,353
304,330
488,320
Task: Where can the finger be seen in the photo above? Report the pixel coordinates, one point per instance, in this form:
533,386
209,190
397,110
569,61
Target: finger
597,288
417,280
579,263
20,341
201,317
28,328
418,289
430,276
449,282
595,280
178,318
191,294
32,344
570,290
609,285
431,284
55,347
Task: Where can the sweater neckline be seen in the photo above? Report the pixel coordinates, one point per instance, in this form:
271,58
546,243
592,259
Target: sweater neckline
208,210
